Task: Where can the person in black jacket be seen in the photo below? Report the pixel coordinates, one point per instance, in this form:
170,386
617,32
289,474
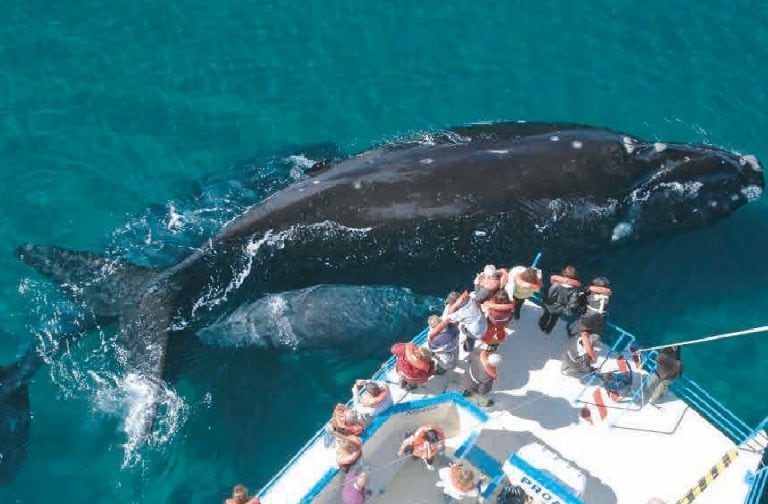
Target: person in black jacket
562,298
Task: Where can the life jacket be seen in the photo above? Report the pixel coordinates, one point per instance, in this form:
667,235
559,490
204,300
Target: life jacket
341,426
520,288
598,298
411,368
347,459
499,314
423,448
463,487
570,282
494,335
371,401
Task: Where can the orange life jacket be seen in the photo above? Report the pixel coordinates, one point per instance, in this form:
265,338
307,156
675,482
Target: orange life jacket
494,335
347,459
571,282
413,360
341,426
499,314
423,448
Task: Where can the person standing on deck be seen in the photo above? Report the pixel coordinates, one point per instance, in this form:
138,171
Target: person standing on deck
477,382
523,283
470,318
443,341
425,444
490,281
579,354
354,491
597,298
459,482
668,368
499,311
369,398
562,298
414,364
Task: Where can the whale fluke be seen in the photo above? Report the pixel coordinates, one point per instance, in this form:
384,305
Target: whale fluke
14,422
101,284
14,395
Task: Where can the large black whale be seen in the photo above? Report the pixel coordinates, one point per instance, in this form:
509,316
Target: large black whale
426,212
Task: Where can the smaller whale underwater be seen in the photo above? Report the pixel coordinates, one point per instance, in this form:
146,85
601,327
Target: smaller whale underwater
427,212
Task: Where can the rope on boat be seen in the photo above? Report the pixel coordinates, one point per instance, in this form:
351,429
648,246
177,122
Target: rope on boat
704,340
706,480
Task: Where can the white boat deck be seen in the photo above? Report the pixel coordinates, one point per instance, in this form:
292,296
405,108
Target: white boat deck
624,453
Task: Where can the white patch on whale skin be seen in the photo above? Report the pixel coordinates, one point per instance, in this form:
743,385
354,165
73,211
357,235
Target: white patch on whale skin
752,161
752,192
712,203
357,185
498,151
426,161
687,189
576,144
629,144
480,233
555,138
621,231
659,147
734,197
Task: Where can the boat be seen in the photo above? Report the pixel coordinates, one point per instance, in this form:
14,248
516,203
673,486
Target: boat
559,439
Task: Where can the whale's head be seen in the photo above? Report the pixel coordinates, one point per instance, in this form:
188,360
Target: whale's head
685,187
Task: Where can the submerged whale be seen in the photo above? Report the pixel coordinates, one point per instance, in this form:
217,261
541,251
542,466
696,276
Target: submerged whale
426,212
325,316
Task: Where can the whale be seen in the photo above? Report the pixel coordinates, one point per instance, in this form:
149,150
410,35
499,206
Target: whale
427,212
328,316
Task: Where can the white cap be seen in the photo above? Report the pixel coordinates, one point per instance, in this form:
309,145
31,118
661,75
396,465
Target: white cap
494,359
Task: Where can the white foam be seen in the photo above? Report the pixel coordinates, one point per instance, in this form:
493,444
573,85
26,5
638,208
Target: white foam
621,231
175,219
216,295
300,161
659,147
152,413
480,233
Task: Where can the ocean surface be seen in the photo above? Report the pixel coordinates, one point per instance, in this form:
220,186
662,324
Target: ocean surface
138,128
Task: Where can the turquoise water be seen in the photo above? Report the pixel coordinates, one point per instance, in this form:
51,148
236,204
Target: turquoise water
116,115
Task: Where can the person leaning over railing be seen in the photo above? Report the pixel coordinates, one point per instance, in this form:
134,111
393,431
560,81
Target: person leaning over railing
370,397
